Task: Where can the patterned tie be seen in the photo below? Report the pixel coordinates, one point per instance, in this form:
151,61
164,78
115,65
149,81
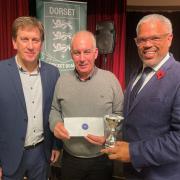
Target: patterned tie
139,83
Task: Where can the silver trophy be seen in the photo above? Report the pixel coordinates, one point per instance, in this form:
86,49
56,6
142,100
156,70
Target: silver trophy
112,121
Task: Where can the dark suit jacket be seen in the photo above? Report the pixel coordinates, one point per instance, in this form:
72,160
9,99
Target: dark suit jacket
152,125
13,113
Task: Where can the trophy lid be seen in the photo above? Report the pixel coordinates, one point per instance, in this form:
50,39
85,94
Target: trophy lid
114,117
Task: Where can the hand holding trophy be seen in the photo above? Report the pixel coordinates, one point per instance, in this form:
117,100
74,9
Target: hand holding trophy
112,121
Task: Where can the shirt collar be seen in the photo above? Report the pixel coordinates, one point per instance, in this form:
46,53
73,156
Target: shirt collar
93,72
158,66
35,72
155,68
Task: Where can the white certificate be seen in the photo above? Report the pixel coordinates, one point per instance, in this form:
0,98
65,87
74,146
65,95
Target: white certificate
81,126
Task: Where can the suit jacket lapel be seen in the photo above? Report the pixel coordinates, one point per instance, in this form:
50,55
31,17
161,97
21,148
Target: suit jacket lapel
148,86
127,95
16,81
143,92
128,92
44,82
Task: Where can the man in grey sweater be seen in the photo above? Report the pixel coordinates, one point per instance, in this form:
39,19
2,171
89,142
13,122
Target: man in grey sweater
85,92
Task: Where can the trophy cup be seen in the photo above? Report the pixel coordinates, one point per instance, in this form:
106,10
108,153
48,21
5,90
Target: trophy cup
112,121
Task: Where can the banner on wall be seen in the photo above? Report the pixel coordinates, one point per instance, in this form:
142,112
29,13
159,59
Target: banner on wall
61,19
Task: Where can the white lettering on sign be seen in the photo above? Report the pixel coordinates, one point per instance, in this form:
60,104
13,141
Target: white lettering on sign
61,11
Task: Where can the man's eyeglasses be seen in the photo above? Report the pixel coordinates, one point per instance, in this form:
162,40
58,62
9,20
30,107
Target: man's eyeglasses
86,52
140,41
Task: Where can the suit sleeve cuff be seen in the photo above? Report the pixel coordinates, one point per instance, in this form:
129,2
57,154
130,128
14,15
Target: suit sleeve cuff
136,156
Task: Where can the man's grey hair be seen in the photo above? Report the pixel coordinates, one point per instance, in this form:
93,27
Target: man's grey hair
156,17
85,32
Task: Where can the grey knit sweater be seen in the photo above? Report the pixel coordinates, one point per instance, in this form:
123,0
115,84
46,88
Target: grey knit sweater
97,97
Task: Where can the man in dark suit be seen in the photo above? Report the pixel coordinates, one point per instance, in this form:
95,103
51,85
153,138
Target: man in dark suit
150,148
26,92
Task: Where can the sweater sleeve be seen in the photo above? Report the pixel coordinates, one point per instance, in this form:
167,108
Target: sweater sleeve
55,113
118,99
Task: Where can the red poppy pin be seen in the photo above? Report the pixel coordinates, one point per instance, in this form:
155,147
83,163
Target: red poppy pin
160,74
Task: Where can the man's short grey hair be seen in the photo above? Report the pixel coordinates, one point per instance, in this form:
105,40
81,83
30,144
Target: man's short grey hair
86,33
156,17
